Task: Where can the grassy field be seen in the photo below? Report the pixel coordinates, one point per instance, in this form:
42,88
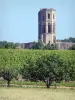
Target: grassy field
36,94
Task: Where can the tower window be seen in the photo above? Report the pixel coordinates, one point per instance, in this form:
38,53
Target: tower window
49,28
54,28
43,29
53,16
48,16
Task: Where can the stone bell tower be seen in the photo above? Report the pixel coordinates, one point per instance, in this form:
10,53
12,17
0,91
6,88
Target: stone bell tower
47,25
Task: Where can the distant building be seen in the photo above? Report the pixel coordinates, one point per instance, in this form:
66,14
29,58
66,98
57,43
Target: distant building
28,45
64,45
47,25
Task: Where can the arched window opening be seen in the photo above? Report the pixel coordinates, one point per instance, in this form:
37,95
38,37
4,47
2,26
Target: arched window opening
48,16
49,28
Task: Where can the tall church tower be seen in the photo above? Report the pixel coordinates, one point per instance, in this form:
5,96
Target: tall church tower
47,25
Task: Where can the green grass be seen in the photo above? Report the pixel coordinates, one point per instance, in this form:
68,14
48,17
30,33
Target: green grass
36,94
66,84
24,83
15,82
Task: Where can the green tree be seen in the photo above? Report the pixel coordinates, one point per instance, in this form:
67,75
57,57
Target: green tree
68,69
38,45
70,39
48,46
3,44
49,69
8,75
51,47
34,45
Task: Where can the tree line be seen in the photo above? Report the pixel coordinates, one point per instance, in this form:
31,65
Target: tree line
70,39
37,45
5,44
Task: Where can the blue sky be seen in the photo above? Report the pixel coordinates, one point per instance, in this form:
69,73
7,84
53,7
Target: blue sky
19,19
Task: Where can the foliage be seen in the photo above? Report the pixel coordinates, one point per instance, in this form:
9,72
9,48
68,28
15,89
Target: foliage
5,44
70,39
38,45
51,47
7,75
34,65
34,45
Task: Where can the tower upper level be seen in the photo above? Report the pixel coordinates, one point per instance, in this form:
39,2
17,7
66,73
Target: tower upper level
47,15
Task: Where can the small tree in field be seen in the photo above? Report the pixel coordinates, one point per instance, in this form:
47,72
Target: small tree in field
49,69
8,75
